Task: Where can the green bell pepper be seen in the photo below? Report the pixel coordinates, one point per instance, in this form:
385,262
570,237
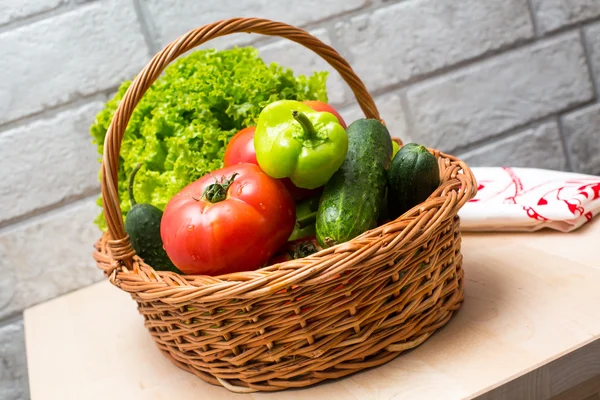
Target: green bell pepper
294,141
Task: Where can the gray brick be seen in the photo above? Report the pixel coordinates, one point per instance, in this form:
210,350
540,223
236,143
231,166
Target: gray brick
303,61
169,20
391,112
539,147
14,384
592,37
500,94
582,135
48,257
554,14
49,62
48,161
14,10
403,41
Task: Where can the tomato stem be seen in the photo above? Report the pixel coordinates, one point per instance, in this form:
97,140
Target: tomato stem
130,187
310,133
217,191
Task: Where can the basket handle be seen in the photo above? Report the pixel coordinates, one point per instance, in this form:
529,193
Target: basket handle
119,243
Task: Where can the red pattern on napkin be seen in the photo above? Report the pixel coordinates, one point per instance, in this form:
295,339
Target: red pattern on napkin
527,199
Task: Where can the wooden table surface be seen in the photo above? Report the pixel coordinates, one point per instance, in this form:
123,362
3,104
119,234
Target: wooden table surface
531,299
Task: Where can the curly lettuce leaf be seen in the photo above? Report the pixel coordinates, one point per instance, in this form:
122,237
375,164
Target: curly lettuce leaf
181,126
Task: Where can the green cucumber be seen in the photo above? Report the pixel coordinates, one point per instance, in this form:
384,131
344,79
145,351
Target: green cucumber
414,174
353,198
143,227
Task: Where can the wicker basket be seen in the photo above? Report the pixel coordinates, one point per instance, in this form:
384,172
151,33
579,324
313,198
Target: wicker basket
343,309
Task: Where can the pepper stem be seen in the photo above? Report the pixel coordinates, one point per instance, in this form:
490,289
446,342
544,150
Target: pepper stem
310,132
130,187
217,191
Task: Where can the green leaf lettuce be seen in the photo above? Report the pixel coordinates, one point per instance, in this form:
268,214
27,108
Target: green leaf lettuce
181,126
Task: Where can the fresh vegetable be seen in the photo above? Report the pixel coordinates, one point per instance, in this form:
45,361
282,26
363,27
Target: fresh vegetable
294,141
143,228
414,174
306,216
240,149
295,249
395,149
353,197
181,126
322,106
233,219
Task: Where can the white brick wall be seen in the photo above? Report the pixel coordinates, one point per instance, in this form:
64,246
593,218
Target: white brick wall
402,41
501,93
55,157
495,82
14,10
83,51
556,14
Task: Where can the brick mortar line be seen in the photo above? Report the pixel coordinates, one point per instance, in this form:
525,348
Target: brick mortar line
10,319
563,141
572,26
146,27
42,15
78,100
533,18
407,111
454,68
461,65
49,112
465,150
48,213
588,58
519,128
324,23
92,192
259,40
342,16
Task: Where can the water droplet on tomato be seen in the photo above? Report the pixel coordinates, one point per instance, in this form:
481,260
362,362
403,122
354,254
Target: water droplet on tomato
262,206
193,257
190,228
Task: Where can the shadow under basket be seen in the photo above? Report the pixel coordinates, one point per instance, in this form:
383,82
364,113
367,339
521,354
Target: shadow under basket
346,308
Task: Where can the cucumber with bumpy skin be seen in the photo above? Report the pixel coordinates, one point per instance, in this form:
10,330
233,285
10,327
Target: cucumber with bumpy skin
352,199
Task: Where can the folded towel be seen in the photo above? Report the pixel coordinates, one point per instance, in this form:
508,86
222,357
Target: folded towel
529,199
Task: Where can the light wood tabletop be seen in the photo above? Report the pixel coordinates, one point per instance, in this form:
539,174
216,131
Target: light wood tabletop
530,326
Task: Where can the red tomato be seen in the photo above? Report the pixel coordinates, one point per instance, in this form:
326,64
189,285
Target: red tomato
236,224
240,149
320,106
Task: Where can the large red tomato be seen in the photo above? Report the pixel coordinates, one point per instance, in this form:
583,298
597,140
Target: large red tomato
231,220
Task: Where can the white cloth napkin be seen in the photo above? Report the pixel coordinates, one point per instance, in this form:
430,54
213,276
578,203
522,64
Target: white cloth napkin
528,199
